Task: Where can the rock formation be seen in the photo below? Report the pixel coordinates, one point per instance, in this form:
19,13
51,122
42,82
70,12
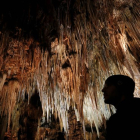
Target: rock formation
54,58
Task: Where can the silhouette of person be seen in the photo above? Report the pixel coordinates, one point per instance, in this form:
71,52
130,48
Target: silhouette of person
125,123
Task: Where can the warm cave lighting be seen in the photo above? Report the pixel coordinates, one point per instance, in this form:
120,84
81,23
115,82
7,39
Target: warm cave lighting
51,75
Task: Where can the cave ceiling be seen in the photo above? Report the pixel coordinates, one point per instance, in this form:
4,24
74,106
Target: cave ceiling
63,50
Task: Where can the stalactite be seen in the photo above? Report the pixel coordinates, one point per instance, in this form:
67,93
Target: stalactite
2,80
9,95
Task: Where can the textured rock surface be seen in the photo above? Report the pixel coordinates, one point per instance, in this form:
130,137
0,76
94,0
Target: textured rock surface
63,50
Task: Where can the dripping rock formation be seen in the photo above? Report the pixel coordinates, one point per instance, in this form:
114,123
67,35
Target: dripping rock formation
54,58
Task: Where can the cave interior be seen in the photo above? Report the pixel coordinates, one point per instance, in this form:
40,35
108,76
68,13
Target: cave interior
54,58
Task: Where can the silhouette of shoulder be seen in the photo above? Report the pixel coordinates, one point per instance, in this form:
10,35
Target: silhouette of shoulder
125,123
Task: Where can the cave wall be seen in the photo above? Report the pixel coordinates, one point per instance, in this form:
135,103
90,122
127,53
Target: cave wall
64,50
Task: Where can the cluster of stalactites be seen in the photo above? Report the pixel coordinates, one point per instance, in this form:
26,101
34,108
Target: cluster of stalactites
59,87
74,73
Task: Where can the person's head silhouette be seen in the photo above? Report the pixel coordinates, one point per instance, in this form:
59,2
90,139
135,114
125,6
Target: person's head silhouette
118,88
